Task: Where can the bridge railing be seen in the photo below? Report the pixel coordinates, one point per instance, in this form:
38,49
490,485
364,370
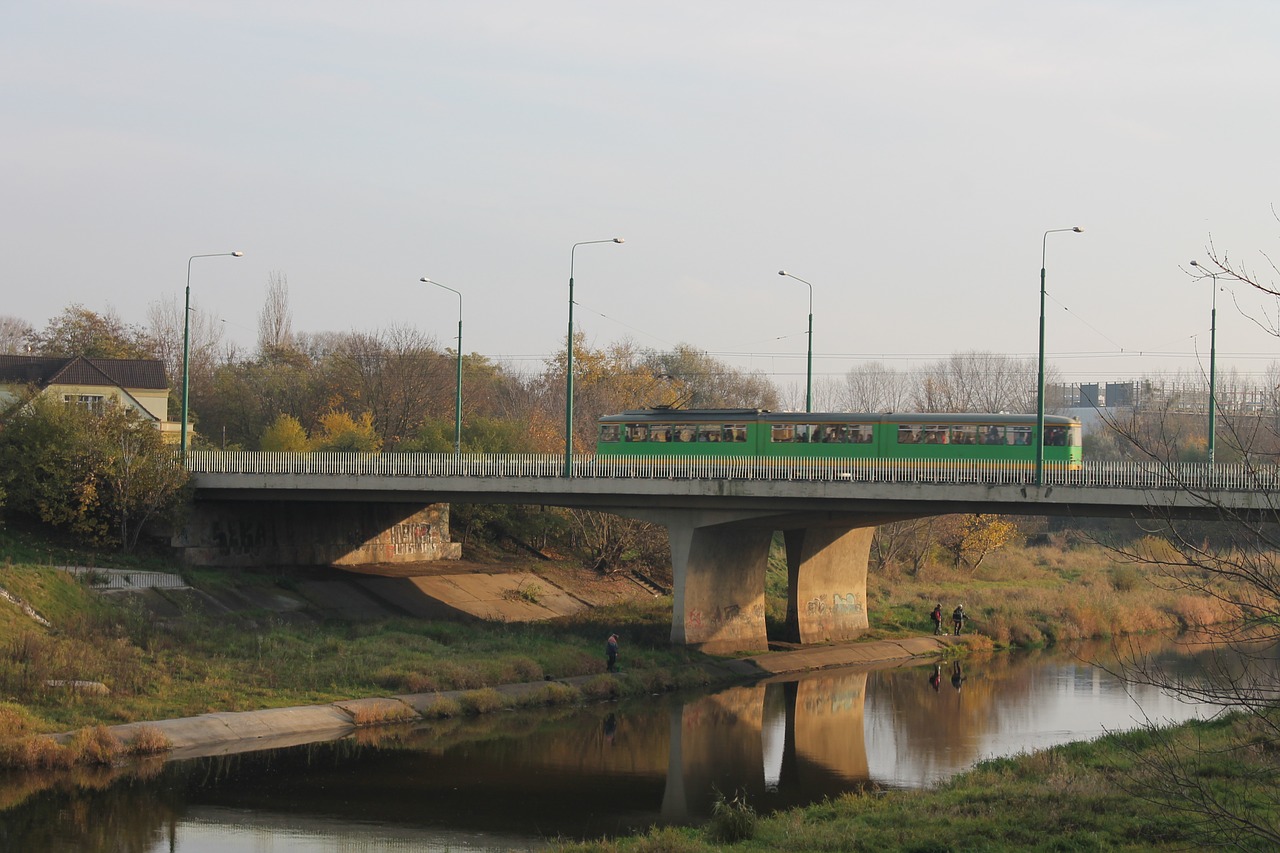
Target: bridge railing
1131,475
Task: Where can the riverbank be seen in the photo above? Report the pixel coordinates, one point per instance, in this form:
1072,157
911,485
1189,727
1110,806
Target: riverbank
228,733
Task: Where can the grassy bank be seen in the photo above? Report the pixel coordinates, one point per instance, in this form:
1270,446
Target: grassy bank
201,663
1027,596
1114,793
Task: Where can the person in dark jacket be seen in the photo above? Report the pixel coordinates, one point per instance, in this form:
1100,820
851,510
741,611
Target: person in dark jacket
958,617
611,653
936,616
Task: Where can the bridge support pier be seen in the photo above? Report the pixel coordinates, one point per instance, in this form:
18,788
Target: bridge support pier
718,568
827,589
718,574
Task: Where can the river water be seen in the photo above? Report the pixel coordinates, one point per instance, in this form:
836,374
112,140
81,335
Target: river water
514,780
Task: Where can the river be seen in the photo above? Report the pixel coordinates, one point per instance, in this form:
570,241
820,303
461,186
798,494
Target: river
513,780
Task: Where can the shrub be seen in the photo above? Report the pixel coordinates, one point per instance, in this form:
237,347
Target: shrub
95,745
732,820
482,701
148,740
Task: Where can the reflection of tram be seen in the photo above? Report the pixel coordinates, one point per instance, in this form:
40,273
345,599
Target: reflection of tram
827,435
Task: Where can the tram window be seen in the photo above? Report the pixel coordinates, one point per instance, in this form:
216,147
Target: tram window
908,435
990,434
609,433
964,434
832,434
1019,435
1055,436
781,433
709,432
934,434
660,432
684,433
735,432
806,433
1073,436
860,434
637,432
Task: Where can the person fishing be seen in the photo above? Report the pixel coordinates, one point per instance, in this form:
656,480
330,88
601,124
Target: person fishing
611,653
957,618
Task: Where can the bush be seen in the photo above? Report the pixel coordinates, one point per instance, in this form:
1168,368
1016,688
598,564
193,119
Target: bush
732,820
482,701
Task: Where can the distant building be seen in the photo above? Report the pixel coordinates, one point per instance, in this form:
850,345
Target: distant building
136,383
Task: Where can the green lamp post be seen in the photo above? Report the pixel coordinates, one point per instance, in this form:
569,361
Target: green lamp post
186,346
1039,439
457,399
808,381
568,365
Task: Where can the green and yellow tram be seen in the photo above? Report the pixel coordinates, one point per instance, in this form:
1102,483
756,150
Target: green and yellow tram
675,433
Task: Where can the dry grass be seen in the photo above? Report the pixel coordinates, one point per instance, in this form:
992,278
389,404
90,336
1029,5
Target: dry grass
483,701
373,712
148,740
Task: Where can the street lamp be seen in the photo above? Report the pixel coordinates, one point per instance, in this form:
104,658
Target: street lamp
186,346
808,384
457,400
568,365
1213,336
1044,243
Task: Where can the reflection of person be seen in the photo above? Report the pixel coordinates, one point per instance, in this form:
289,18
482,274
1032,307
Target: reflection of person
958,617
957,677
936,616
936,679
610,728
611,653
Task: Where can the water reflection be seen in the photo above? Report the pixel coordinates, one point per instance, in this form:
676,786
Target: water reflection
508,780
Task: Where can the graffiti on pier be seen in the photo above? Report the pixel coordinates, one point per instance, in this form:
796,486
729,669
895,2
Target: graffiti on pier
841,605
722,617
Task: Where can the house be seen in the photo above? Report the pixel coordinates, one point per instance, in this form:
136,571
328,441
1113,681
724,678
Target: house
137,383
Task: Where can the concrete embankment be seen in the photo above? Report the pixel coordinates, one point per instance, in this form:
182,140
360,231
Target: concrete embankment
245,731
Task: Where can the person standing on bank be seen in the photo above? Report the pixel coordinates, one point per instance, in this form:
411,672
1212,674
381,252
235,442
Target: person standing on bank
936,616
611,653
958,617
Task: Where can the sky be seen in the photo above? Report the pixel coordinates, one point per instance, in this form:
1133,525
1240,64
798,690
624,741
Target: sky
904,159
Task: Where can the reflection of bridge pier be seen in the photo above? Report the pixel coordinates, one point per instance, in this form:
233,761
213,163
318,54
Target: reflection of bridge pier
718,566
782,734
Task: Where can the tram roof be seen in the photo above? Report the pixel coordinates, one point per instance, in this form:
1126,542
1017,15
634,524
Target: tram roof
664,415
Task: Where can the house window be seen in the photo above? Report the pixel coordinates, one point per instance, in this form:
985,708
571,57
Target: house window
92,402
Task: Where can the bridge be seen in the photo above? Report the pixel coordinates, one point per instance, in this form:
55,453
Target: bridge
720,514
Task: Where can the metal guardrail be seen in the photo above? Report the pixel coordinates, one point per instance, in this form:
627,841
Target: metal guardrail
1129,475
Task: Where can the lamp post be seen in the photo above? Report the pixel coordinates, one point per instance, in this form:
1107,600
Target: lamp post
808,382
1039,438
457,399
186,347
568,364
1213,337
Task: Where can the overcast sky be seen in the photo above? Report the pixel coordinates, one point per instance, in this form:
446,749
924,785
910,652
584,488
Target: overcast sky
904,158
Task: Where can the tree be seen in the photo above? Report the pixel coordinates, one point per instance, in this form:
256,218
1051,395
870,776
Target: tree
79,331
14,333
100,474
285,435
275,321
339,431
1235,561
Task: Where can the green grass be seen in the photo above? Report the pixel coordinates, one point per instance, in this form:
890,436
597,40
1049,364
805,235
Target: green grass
1109,794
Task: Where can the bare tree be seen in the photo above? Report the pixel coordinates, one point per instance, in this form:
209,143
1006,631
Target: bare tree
1234,560
275,322
876,387
13,335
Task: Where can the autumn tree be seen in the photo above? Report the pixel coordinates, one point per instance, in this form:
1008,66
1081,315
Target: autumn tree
80,331
341,432
285,435
101,475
